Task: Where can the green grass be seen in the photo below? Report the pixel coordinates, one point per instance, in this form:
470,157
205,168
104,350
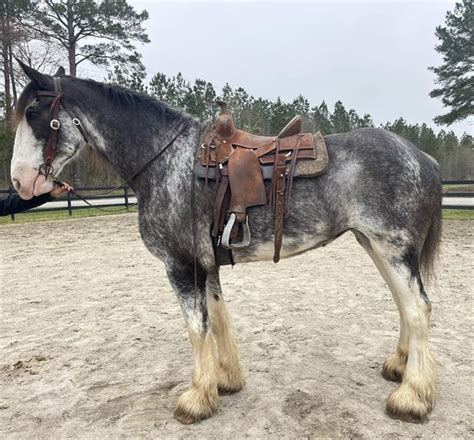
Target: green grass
458,188
62,214
458,214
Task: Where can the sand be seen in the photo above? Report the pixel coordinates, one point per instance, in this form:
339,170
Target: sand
93,343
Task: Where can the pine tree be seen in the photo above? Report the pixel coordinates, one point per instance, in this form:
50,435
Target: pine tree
340,119
321,119
455,75
200,100
130,76
428,141
159,87
173,90
10,33
259,112
101,32
281,113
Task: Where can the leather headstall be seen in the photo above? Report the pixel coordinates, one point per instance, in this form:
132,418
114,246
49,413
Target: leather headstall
50,152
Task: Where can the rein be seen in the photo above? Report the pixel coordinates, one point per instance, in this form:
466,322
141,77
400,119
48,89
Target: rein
124,183
134,175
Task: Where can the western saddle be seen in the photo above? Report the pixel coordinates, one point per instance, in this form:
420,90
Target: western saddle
240,162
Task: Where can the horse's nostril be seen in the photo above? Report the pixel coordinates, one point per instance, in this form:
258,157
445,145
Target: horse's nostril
16,184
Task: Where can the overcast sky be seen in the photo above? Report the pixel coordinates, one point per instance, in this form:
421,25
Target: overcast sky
373,56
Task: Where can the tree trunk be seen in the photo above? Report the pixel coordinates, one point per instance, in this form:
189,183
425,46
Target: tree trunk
12,74
76,180
6,42
71,39
72,61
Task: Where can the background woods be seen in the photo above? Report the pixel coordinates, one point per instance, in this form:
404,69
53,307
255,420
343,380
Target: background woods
102,35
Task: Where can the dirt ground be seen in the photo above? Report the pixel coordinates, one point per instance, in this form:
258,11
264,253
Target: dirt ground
93,344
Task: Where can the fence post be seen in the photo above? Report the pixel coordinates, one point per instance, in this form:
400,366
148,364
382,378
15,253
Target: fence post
69,204
125,194
10,192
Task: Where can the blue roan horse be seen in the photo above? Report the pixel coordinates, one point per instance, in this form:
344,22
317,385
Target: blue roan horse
378,186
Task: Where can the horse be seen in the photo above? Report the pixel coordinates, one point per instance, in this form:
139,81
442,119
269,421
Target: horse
378,186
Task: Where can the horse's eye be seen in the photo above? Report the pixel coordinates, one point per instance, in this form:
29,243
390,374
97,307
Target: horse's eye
32,114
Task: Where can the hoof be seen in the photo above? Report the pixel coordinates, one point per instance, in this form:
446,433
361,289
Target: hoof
407,404
394,367
230,382
194,406
224,389
185,418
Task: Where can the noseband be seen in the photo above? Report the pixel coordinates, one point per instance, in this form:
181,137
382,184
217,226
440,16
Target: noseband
51,150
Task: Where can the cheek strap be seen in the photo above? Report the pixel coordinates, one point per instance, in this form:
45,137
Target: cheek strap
51,150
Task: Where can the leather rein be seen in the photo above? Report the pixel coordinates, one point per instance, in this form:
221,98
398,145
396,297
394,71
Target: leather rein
51,150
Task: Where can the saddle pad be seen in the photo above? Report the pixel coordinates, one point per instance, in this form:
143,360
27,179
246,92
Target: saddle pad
317,166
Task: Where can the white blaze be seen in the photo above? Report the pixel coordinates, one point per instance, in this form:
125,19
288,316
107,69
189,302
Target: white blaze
26,161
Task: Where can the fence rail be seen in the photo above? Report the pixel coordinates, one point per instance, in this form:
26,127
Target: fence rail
126,198
123,197
464,196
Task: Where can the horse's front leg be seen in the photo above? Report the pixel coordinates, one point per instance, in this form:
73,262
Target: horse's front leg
229,374
201,400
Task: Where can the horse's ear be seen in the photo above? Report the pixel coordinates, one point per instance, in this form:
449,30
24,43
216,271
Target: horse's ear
60,72
41,80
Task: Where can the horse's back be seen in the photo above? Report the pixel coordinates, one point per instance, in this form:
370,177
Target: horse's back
379,146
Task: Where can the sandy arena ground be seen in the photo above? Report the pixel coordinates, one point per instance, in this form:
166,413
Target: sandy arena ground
93,343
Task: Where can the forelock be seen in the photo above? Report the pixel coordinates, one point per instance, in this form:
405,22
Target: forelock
25,99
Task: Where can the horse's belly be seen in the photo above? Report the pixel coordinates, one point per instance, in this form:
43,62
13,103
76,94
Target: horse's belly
291,246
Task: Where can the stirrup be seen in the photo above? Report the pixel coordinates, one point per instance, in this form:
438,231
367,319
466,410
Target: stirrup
225,241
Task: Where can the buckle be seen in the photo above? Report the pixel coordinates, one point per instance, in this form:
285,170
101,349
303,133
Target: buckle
46,168
55,124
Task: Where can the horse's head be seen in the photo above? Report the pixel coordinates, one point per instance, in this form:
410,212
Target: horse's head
47,135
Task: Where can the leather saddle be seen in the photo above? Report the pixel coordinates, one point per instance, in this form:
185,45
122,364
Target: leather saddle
240,162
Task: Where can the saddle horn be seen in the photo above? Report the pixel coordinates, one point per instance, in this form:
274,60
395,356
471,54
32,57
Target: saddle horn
225,127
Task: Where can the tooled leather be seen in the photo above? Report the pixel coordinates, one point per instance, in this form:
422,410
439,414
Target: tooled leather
218,150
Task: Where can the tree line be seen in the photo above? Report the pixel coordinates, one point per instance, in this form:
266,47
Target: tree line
48,33
263,116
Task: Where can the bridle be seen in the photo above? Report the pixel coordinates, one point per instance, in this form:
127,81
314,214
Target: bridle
51,150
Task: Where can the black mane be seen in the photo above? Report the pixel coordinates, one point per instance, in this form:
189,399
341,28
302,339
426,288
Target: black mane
120,96
131,100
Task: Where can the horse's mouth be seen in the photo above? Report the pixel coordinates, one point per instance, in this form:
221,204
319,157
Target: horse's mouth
31,184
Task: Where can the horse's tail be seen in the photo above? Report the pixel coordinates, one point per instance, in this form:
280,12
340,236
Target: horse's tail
430,250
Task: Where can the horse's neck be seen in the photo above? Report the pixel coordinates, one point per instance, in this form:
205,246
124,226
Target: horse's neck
132,148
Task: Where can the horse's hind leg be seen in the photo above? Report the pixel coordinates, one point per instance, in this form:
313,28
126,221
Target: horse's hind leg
201,400
229,374
395,364
399,266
